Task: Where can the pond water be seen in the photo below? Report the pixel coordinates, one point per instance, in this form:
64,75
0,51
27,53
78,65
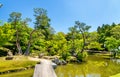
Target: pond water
96,66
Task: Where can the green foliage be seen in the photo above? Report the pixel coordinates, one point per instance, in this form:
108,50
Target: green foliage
42,22
65,55
64,52
92,41
109,34
17,35
115,31
79,56
82,56
6,33
104,31
83,29
112,44
14,17
94,46
59,42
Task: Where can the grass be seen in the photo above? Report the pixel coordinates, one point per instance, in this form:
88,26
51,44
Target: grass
17,63
26,73
117,75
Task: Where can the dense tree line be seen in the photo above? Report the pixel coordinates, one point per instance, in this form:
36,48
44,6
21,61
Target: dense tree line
19,38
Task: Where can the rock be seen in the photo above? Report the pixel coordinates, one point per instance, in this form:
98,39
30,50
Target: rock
59,62
45,57
54,65
41,55
64,62
56,60
10,53
9,58
38,62
73,59
79,61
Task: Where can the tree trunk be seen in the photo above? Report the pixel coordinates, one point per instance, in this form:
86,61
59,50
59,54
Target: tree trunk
27,52
83,43
17,38
73,44
19,48
18,44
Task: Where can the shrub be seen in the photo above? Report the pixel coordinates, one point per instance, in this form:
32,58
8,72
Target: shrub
82,56
65,55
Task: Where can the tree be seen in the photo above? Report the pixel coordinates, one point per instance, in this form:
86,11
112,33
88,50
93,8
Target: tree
83,29
112,44
92,41
15,18
6,33
60,45
42,26
115,32
42,21
72,36
104,32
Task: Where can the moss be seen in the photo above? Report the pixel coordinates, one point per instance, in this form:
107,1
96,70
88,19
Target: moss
117,75
26,73
19,62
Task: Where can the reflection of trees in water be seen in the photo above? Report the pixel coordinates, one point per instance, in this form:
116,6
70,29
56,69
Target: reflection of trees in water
92,68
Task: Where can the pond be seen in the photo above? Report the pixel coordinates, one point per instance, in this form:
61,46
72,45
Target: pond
96,66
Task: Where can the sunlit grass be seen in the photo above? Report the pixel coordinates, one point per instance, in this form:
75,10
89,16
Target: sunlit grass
17,63
117,75
26,73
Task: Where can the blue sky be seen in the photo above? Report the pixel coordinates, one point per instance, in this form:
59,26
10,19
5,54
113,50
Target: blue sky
63,13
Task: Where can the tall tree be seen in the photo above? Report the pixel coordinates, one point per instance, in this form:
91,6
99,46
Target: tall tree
41,26
92,41
15,18
83,29
113,45
71,36
115,32
42,21
104,32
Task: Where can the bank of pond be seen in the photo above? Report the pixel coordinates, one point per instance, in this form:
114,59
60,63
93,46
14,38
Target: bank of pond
95,66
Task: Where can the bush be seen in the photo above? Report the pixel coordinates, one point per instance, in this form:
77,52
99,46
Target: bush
82,56
65,55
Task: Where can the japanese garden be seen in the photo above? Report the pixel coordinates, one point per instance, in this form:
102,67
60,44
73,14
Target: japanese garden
80,52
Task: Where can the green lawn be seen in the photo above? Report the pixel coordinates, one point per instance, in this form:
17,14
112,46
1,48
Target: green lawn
26,73
17,63
117,75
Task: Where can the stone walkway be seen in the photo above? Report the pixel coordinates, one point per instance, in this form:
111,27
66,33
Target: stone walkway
44,69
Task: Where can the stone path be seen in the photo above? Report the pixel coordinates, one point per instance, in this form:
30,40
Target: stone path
44,69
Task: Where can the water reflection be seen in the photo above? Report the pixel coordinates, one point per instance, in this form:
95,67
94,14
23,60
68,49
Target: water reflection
93,75
94,67
87,75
